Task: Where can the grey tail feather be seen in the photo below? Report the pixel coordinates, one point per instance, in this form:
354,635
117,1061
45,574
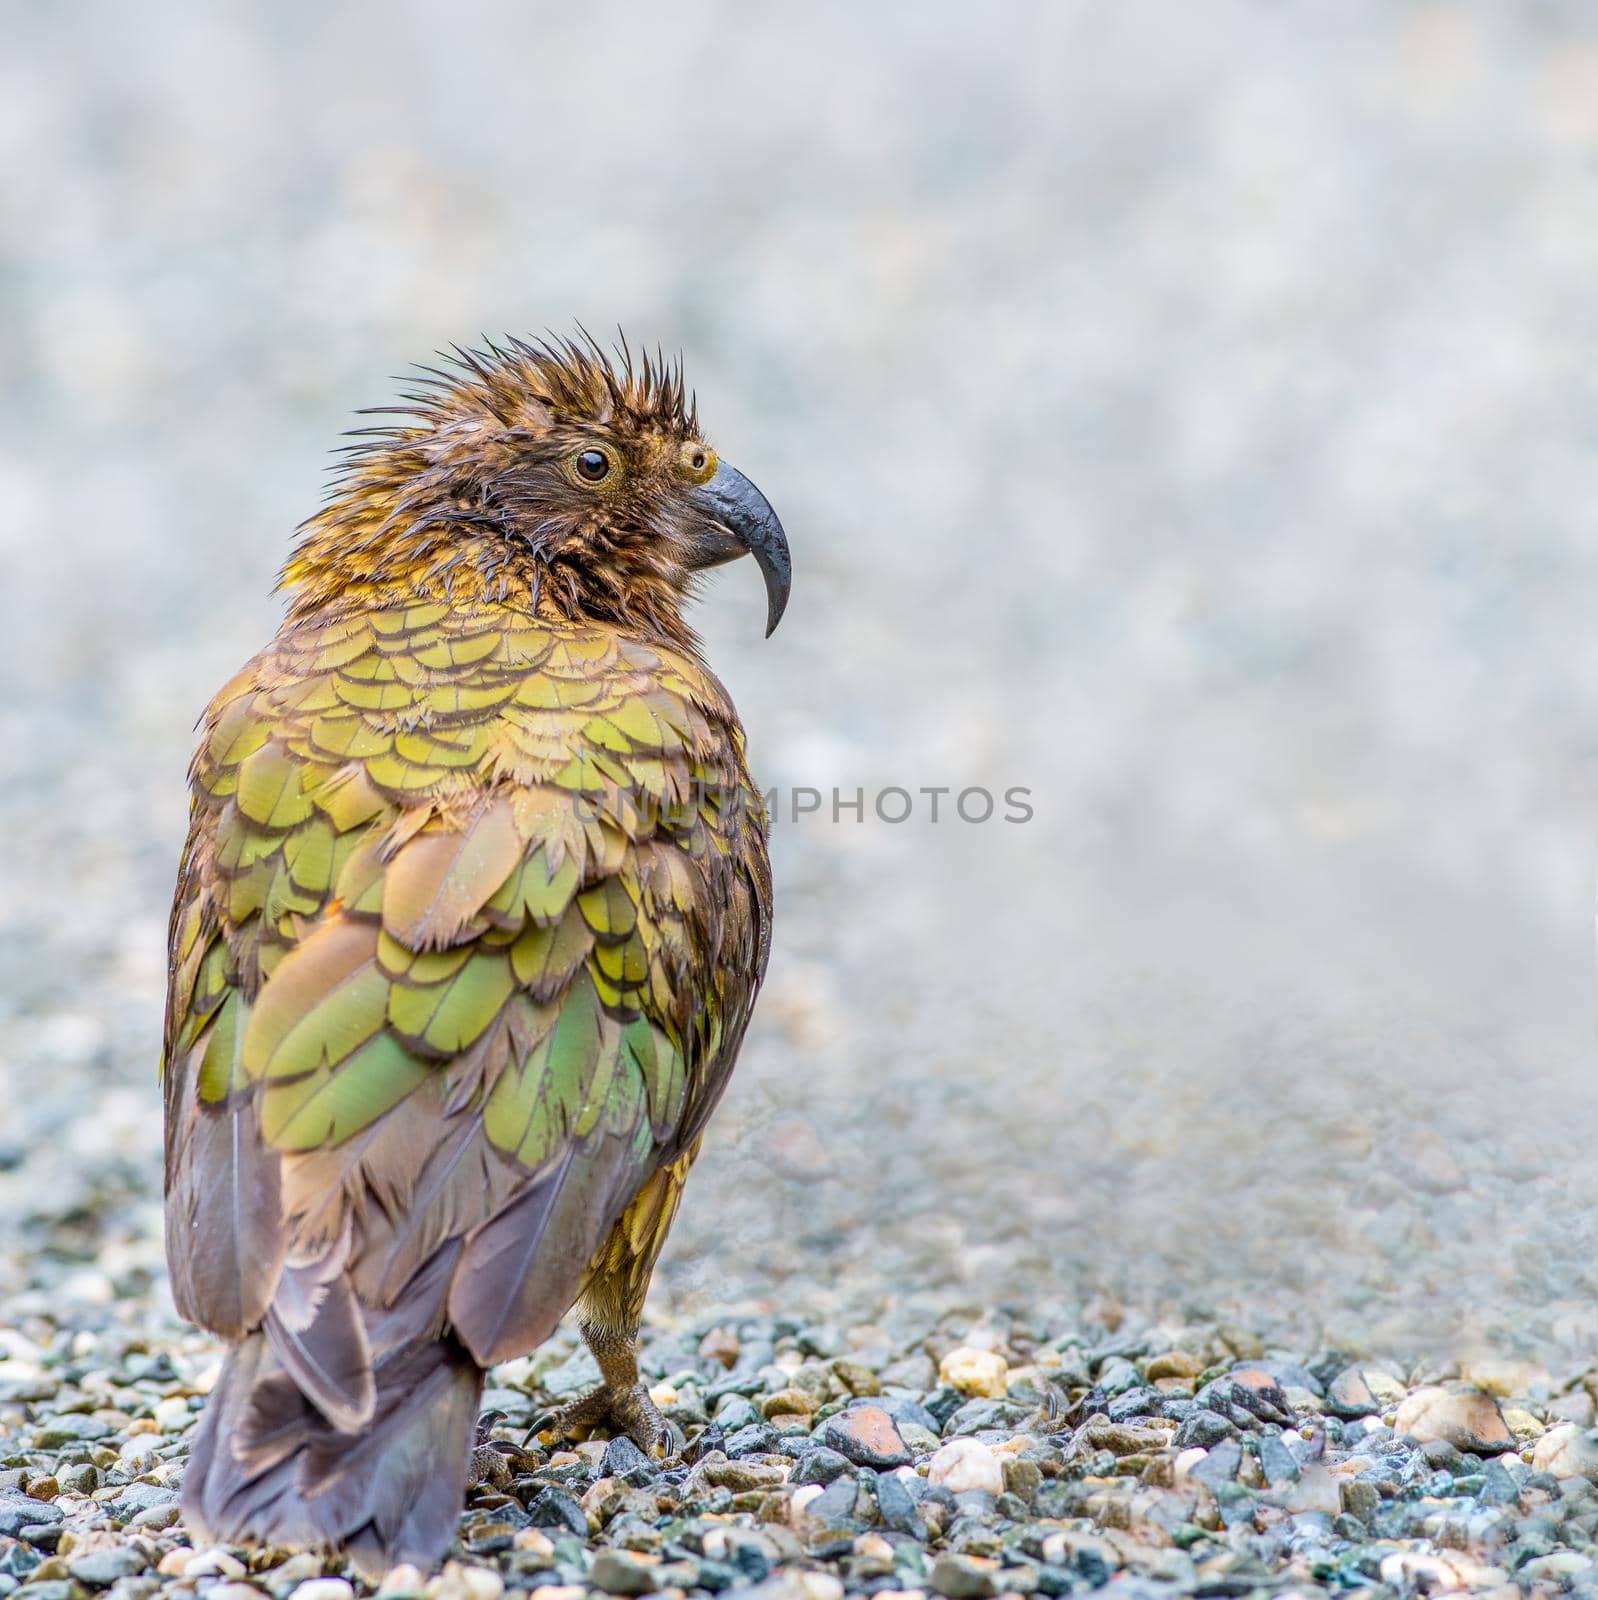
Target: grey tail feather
268,1466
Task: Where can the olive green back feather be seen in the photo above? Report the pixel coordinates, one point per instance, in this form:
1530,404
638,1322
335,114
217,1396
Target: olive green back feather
507,872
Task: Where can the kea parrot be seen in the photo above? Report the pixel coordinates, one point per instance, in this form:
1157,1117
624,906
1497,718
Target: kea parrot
472,913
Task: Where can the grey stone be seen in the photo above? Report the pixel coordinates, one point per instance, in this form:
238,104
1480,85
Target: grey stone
623,1459
617,1572
1204,1428
19,1390
140,1588
1136,1402
959,1577
576,1375
19,1511
1276,1460
1498,1486
555,1508
906,1410
101,1568
1116,1375
976,1415
52,1589
51,1433
758,1439
157,1517
137,1498
834,1507
1220,1465
734,1412
897,1506
1359,1498
818,1465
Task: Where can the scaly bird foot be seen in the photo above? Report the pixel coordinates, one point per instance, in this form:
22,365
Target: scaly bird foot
488,1468
629,1411
491,1464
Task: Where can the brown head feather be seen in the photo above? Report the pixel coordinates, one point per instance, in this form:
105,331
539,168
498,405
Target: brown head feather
475,493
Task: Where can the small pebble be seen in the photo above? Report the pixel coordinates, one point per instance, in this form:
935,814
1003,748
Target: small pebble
720,1345
1468,1419
324,1589
406,1579
868,1436
963,1465
460,1582
964,1577
622,1572
101,1568
220,1563
172,1416
140,1454
975,1372
1566,1451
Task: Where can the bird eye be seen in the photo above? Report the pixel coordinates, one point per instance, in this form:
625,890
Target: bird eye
593,466
697,460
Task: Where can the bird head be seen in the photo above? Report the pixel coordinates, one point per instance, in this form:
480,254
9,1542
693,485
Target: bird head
547,475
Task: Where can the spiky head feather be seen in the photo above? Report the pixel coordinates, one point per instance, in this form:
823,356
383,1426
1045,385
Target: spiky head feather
471,492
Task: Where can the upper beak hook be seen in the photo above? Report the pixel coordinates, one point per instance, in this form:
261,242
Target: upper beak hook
743,515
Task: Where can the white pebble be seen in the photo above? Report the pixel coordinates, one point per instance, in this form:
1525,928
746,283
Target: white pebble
204,1382
139,1454
172,1416
802,1496
403,1579
300,1566
324,1589
1565,1452
214,1563
818,1586
1418,1570
18,1347
978,1372
965,1464
457,1582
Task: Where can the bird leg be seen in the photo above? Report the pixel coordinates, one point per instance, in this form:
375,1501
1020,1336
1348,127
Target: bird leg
610,1308
621,1401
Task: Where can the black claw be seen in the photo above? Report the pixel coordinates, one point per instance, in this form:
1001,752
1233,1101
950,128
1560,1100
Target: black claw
547,1420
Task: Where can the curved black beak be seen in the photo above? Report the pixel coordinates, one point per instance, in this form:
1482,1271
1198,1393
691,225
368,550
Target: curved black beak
740,522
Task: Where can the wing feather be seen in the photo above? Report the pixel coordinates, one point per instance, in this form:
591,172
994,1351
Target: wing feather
465,939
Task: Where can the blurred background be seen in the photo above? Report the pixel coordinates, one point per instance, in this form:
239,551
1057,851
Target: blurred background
1186,413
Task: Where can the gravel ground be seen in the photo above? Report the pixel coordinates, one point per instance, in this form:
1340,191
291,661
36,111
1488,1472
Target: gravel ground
959,1455
1185,413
